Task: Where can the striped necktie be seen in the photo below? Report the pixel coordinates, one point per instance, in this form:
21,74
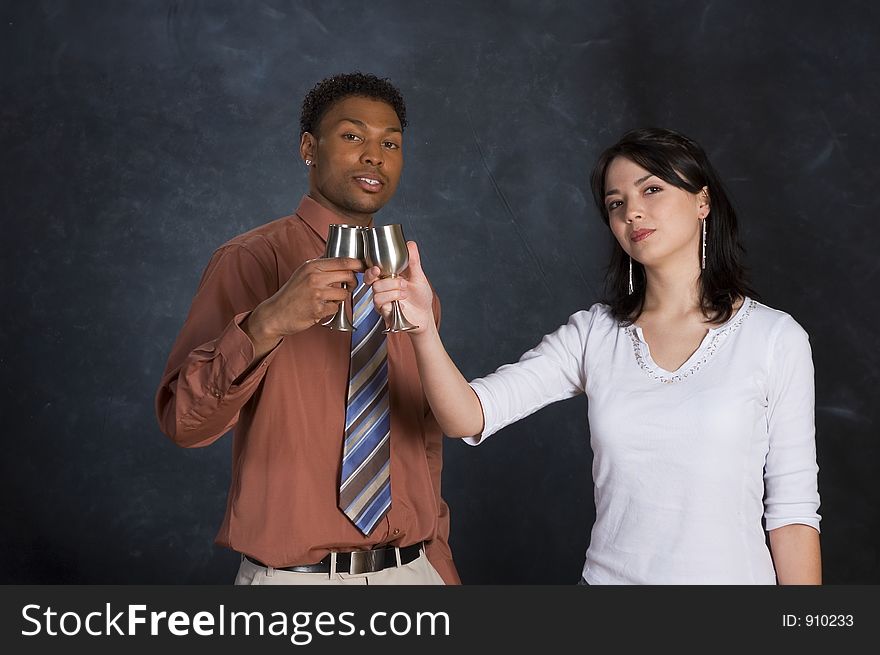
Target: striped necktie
365,482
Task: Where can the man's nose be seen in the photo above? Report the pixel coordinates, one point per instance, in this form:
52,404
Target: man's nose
372,154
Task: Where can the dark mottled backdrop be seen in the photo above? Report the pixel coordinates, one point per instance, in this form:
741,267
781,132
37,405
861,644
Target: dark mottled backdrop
138,136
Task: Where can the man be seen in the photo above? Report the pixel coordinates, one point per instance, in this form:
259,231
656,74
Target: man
253,354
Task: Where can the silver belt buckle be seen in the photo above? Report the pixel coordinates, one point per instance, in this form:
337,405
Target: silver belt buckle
362,561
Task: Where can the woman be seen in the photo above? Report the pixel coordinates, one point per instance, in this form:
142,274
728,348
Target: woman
701,398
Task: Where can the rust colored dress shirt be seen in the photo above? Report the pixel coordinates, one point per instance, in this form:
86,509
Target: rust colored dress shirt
288,411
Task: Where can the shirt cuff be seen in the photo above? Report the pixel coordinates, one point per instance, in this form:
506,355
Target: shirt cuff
488,427
237,351
235,345
773,524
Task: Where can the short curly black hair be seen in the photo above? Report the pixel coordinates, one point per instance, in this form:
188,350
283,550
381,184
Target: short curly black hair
332,89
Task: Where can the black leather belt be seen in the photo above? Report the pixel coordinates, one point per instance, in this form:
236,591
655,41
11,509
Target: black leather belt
359,561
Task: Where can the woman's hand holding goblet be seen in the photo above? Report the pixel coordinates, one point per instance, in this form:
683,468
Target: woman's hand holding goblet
411,289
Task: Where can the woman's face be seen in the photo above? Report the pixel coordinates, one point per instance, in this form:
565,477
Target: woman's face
652,220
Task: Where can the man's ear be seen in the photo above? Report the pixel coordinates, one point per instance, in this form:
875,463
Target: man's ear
307,147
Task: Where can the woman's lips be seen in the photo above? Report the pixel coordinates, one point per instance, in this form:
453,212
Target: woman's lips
640,235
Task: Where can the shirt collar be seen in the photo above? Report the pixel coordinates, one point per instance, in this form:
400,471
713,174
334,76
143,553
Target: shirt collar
319,218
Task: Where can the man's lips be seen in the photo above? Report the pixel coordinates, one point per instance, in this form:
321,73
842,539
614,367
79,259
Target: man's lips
640,235
369,183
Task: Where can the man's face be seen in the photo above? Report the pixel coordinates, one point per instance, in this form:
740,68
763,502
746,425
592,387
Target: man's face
357,157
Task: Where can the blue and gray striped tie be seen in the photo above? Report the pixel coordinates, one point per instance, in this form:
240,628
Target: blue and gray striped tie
365,482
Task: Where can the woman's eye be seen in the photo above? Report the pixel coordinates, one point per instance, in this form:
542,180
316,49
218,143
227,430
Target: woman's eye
614,204
653,189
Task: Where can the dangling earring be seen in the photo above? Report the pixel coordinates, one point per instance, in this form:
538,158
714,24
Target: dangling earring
703,262
308,162
630,275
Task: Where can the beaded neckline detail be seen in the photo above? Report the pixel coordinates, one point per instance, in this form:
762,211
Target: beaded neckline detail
717,338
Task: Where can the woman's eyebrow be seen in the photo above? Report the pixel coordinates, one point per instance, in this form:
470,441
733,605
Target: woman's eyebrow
636,183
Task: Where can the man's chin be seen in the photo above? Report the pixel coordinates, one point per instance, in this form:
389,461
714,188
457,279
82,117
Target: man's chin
366,205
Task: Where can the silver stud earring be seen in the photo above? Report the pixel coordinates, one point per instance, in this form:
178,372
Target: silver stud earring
308,162
630,275
703,262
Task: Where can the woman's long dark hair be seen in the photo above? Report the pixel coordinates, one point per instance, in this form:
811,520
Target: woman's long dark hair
681,162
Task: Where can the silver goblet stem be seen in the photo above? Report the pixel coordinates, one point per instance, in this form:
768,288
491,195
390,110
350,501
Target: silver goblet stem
343,241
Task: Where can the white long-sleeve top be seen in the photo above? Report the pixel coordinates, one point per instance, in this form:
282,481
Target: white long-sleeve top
687,463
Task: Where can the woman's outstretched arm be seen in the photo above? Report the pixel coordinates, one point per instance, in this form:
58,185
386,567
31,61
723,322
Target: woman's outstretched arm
453,401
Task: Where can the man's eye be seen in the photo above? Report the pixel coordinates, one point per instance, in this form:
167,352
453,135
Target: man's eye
348,136
391,145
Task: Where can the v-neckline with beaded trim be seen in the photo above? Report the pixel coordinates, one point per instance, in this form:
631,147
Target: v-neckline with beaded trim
711,341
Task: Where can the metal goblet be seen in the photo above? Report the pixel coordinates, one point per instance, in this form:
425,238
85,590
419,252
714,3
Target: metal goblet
385,247
343,241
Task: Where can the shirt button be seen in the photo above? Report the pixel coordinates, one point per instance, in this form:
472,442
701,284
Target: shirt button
396,531
218,395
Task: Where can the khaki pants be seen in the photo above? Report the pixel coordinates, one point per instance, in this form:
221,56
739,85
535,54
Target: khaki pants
418,572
